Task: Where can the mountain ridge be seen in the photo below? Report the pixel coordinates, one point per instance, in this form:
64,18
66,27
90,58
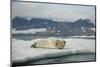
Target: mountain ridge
78,27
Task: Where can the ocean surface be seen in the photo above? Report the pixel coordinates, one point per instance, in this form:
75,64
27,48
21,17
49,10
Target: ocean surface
66,59
30,37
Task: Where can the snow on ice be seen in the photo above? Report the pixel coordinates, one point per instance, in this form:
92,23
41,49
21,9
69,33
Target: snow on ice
22,52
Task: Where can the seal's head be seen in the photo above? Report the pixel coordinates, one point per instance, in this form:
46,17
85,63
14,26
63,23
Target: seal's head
60,44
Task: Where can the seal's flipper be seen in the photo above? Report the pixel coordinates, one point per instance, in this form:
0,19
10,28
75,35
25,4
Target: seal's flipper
33,45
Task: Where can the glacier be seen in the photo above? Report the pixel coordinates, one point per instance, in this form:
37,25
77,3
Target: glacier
32,31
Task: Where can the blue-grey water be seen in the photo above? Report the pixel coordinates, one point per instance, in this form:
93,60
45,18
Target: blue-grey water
30,37
66,59
82,57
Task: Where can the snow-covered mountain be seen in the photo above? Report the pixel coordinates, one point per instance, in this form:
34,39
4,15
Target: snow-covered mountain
78,27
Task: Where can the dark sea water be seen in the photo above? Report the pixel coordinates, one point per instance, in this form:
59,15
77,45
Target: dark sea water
30,37
74,58
66,59
81,57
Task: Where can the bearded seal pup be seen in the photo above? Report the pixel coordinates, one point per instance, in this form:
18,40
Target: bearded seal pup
59,44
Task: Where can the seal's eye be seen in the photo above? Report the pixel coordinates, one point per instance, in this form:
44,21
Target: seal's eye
64,42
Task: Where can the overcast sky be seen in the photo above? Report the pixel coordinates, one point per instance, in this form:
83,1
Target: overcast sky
57,12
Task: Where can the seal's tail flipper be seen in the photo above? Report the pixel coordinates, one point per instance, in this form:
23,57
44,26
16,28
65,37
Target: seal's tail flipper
33,45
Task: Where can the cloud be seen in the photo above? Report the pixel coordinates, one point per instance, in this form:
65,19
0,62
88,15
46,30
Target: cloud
52,11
